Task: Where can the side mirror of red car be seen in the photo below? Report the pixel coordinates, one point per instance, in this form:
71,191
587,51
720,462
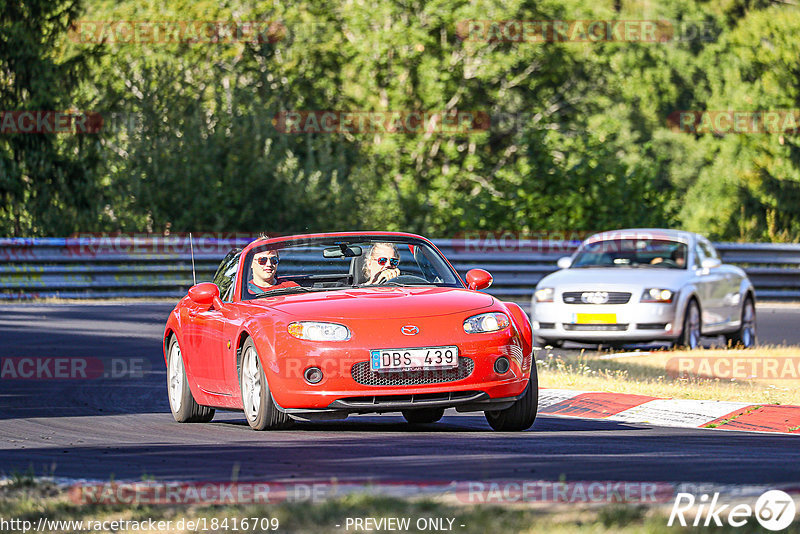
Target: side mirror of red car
205,294
478,279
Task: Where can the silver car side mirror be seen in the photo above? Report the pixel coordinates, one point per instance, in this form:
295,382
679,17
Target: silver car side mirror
710,263
564,263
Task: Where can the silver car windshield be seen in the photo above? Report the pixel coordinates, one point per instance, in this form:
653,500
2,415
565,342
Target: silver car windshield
654,253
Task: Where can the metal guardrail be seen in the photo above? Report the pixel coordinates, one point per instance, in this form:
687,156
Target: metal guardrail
135,267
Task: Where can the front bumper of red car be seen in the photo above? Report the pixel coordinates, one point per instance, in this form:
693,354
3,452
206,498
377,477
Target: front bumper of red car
348,385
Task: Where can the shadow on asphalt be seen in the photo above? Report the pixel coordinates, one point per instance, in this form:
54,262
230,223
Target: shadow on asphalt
456,423
574,449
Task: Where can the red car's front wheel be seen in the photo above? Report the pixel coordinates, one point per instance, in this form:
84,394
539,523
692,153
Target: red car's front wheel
259,408
521,414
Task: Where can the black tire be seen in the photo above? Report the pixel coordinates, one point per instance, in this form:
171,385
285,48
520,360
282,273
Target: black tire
181,402
745,337
692,327
259,408
423,415
522,414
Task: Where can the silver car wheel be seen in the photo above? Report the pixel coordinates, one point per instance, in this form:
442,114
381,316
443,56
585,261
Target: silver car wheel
693,324
175,377
748,324
251,385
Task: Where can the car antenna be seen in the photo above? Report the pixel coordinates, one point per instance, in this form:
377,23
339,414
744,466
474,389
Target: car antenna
191,247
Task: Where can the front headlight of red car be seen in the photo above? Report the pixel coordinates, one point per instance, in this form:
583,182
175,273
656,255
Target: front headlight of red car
315,331
486,322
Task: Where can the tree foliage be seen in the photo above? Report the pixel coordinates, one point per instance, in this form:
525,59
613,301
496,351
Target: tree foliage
47,182
578,139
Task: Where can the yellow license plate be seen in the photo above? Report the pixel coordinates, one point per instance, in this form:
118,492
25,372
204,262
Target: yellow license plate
596,318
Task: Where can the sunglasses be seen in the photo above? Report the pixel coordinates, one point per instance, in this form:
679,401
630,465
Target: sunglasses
392,261
272,259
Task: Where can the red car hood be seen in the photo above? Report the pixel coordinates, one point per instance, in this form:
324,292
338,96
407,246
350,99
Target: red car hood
378,303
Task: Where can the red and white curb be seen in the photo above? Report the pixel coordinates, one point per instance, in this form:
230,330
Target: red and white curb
657,411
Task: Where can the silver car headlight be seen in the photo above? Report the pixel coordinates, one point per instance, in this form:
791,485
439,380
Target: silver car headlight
314,331
544,294
657,294
486,322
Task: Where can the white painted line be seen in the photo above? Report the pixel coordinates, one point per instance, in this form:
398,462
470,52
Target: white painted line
678,412
549,397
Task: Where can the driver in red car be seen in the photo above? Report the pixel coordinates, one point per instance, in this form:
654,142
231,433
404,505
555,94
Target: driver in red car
265,269
381,263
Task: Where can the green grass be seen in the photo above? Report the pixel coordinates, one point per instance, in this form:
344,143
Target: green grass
733,418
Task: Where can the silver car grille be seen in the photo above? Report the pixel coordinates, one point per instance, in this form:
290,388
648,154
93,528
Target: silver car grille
362,374
595,297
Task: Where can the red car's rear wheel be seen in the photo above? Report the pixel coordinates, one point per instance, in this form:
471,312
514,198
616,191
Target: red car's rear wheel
183,406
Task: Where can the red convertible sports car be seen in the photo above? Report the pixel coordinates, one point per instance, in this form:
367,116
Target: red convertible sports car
317,327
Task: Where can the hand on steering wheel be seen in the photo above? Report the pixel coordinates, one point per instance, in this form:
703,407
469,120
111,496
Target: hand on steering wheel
384,275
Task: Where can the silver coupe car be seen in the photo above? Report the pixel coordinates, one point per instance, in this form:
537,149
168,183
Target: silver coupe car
644,285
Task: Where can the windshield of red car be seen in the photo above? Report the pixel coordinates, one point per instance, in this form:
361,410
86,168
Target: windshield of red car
328,264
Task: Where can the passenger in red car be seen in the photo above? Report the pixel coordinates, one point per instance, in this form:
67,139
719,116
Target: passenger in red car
265,270
381,263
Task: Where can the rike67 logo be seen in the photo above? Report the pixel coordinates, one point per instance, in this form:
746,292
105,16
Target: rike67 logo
774,510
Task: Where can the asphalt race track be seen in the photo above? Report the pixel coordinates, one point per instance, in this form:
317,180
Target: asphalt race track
120,426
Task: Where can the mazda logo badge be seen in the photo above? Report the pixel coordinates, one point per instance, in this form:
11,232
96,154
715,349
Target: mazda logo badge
410,330
595,297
